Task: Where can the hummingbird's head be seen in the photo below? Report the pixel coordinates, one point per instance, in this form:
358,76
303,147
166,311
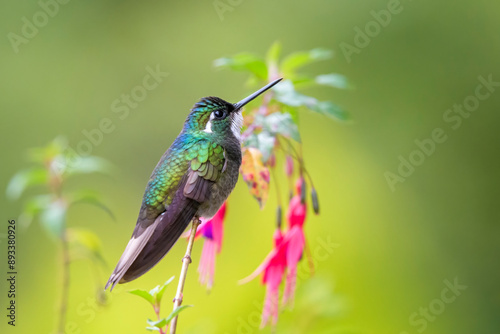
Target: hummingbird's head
214,115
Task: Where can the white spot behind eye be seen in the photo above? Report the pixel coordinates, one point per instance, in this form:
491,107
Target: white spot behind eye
208,127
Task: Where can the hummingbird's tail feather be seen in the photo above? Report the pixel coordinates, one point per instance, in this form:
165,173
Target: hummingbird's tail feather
169,229
142,234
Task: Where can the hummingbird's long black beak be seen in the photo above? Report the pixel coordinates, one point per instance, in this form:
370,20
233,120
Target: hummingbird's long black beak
240,104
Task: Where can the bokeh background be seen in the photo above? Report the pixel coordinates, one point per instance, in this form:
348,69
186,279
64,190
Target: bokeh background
394,249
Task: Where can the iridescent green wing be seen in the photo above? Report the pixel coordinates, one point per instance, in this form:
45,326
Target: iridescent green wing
206,166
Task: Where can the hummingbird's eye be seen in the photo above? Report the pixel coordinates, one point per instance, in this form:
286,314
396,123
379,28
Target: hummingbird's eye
219,114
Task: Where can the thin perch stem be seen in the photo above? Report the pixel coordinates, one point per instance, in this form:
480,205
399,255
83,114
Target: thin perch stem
186,260
65,283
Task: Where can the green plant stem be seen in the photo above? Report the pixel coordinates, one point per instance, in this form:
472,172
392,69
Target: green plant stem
157,311
65,283
186,260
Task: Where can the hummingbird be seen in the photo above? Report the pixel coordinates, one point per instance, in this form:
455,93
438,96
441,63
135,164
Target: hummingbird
192,179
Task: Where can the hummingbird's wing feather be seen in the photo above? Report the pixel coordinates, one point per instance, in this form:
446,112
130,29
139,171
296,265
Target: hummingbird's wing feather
171,223
154,235
142,233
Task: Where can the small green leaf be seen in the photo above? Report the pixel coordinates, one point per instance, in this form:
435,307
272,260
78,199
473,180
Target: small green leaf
33,207
262,141
93,198
87,165
331,110
286,94
159,294
47,153
85,243
157,323
299,59
176,312
273,54
144,294
282,124
244,62
266,144
25,179
53,217
151,329
333,80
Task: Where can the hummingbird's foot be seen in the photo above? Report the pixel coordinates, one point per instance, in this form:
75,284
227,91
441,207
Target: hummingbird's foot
187,257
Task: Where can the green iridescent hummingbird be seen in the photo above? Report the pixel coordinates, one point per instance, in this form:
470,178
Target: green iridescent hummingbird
192,179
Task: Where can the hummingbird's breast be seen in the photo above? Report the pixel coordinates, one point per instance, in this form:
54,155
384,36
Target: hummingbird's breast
225,185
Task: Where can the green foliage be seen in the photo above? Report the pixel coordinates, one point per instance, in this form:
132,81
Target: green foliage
277,117
85,244
154,297
53,166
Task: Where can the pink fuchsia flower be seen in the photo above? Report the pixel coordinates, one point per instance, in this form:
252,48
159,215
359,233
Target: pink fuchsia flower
212,231
295,240
273,275
273,269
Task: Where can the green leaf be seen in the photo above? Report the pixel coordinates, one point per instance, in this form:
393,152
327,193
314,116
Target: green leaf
286,94
244,62
85,243
176,312
331,110
87,165
332,80
157,324
273,54
53,217
93,198
33,207
262,141
47,153
24,179
297,60
144,294
282,124
159,294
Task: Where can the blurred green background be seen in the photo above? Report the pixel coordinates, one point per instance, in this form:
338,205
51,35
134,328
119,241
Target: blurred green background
395,248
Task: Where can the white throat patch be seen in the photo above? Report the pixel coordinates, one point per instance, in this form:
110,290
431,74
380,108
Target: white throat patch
236,124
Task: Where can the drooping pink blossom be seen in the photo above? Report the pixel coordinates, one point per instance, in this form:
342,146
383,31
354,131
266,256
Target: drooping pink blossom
273,269
295,240
273,275
212,231
287,251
